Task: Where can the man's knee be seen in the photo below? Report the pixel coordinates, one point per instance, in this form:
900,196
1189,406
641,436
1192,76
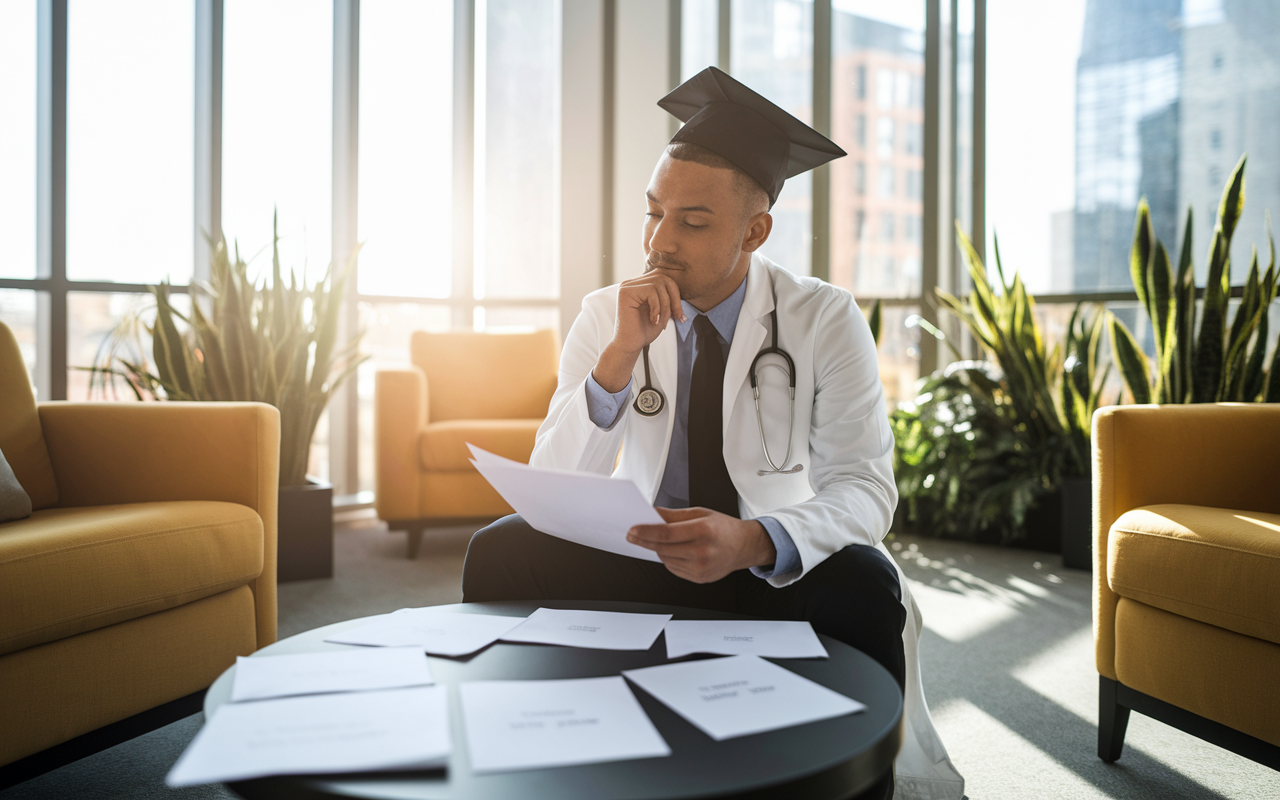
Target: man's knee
489,554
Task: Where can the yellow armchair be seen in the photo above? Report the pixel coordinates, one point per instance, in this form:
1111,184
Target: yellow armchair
146,567
1186,578
492,390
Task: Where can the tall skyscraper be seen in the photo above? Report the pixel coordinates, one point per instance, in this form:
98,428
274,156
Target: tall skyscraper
1128,84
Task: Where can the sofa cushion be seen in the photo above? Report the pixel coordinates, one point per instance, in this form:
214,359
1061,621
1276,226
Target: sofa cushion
65,571
21,437
1216,565
443,445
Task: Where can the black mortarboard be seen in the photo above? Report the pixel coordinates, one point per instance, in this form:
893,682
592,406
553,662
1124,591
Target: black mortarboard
732,121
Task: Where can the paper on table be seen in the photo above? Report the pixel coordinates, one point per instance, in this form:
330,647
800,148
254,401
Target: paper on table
593,510
444,633
597,630
357,732
740,695
514,725
319,673
731,637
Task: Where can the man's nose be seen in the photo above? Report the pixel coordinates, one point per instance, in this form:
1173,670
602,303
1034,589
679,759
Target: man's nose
659,240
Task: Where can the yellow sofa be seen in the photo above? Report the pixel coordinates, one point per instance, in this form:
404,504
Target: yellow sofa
492,390
146,567
1187,573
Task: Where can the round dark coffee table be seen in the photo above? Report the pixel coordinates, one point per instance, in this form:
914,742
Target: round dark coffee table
829,759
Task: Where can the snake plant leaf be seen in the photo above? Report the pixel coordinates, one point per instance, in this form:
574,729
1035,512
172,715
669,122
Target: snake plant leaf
1160,302
1140,253
1210,347
1232,204
1134,368
1254,378
1273,380
875,321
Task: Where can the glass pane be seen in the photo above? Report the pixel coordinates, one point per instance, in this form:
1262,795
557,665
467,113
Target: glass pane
772,50
699,40
18,311
92,317
877,116
518,164
277,129
18,139
130,112
1156,99
899,352
406,146
387,328
515,319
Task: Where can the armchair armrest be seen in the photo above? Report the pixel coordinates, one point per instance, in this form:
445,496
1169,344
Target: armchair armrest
108,453
1223,455
399,416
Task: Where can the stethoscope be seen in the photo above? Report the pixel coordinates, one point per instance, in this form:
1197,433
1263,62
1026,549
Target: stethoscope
650,401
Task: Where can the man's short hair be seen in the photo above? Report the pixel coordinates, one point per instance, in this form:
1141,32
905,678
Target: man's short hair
748,188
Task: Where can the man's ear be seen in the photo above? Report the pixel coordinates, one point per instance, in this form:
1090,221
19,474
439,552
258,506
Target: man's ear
757,232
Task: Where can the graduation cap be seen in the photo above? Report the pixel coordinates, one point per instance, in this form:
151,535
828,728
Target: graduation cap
734,122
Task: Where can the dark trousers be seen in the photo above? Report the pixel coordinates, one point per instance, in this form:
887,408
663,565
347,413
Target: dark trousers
852,596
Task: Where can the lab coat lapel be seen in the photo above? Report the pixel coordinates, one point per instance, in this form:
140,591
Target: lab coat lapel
748,336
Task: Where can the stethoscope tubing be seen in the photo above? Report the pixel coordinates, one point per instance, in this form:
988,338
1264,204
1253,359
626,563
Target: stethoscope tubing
650,401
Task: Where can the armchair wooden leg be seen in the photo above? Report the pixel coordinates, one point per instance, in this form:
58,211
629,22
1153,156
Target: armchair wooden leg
1113,719
415,541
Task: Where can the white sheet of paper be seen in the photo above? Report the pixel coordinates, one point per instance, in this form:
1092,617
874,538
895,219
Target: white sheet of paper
596,630
732,637
514,725
594,510
329,733
443,633
740,695
363,670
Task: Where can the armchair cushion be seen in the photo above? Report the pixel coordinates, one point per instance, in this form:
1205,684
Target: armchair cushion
66,571
1214,565
14,502
443,445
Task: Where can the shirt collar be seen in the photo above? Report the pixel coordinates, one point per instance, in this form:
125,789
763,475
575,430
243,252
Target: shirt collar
723,316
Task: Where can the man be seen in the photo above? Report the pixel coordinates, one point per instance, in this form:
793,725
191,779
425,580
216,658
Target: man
774,503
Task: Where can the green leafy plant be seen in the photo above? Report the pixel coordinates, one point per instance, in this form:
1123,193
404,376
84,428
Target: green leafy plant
273,342
1220,364
1049,416
964,467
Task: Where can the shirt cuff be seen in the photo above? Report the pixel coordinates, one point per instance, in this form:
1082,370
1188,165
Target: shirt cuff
604,406
788,559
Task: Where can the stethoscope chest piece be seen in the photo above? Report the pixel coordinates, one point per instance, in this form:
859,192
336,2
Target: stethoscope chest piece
649,402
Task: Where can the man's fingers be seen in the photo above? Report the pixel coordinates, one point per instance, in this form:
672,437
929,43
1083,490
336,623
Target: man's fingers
679,514
646,535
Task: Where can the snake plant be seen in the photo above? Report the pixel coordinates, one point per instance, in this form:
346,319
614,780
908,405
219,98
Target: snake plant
1220,364
273,342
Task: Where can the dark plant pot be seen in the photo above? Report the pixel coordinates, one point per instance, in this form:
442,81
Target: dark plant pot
1077,523
1043,527
305,532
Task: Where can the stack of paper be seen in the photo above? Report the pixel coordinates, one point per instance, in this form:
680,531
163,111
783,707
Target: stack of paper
598,630
442,633
528,724
332,733
580,507
732,637
357,718
320,673
740,695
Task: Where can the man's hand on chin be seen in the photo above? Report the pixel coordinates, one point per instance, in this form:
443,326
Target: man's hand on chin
703,546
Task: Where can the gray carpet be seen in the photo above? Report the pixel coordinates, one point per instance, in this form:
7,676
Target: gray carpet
1007,656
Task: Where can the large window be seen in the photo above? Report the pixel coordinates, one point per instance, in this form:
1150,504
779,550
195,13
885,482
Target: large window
130,81
18,139
1128,99
277,123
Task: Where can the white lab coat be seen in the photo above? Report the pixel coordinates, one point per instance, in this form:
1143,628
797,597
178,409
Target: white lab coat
844,494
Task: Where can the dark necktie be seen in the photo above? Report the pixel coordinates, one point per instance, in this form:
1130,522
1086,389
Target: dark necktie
709,482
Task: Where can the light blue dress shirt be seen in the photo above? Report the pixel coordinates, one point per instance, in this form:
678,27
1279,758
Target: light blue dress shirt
606,409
